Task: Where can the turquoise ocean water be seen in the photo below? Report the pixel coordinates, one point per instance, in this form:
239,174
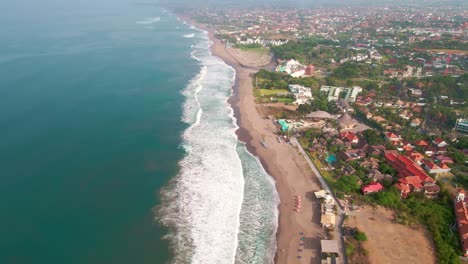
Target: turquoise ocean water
106,112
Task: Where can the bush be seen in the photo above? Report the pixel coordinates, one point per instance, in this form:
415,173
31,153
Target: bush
361,236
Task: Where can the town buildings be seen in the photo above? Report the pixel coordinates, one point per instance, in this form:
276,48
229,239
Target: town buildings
461,215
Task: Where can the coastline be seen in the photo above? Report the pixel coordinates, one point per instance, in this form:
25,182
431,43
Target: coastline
292,174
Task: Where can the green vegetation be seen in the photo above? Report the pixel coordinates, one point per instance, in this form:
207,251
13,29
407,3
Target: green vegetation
315,50
248,46
355,251
360,236
274,80
444,43
269,92
354,70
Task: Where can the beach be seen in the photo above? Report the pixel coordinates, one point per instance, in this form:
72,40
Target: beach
299,233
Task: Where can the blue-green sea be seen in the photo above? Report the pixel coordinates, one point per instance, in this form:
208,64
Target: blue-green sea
117,143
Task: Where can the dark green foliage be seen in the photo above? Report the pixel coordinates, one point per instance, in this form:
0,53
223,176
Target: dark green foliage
302,50
360,236
445,43
462,143
346,70
347,185
387,169
275,80
372,137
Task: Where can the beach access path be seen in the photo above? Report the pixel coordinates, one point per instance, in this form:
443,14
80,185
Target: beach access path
341,214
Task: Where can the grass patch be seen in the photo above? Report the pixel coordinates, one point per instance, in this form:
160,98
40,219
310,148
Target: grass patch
269,92
259,50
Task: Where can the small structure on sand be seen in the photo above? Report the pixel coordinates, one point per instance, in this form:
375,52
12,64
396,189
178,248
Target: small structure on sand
330,251
319,115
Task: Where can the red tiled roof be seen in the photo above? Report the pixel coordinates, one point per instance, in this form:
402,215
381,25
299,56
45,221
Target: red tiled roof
402,186
391,135
406,167
462,222
421,143
372,187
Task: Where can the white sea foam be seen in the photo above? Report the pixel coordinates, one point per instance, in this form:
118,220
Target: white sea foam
203,203
149,20
221,207
189,35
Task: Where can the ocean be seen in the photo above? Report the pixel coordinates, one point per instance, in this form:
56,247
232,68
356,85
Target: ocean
118,144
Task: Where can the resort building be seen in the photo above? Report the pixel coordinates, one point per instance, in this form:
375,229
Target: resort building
345,121
462,125
319,115
334,93
412,177
292,67
301,93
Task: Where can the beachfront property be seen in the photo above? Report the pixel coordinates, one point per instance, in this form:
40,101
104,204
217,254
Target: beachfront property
292,67
261,41
330,251
301,94
334,93
328,216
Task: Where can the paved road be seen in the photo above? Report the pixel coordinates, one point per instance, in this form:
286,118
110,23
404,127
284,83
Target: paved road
339,226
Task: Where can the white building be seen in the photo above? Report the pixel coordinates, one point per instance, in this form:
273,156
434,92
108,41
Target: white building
292,67
334,92
301,94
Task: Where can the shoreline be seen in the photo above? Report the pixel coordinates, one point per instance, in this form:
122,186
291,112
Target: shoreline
293,176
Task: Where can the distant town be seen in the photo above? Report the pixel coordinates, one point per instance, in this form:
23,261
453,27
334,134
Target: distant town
376,97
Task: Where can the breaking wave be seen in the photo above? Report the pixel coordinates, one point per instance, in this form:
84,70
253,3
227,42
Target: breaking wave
149,20
222,205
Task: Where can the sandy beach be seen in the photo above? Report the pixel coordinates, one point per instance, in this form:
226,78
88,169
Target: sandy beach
290,171
299,233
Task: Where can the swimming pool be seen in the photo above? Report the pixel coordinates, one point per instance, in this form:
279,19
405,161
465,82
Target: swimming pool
331,158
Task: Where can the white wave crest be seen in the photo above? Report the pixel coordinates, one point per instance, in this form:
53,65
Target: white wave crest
202,204
189,35
222,205
149,20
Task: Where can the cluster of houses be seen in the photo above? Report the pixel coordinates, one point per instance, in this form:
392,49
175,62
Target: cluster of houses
417,164
461,215
411,111
413,167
